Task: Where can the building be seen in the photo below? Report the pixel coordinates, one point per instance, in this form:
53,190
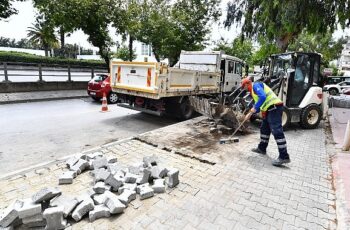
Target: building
344,63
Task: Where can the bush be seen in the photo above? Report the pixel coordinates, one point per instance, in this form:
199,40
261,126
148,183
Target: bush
30,58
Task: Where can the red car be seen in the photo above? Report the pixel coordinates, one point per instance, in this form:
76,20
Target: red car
101,84
346,91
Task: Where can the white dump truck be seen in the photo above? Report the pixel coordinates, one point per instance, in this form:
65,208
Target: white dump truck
158,89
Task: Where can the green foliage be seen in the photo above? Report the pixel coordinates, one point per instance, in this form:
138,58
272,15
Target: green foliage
124,54
282,21
266,49
6,9
242,49
30,58
320,43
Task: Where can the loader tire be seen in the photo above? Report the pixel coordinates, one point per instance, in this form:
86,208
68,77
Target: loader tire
310,117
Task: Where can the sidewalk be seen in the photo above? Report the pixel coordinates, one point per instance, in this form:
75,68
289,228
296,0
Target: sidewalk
6,98
221,186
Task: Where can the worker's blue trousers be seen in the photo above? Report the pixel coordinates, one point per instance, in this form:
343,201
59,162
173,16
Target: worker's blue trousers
273,124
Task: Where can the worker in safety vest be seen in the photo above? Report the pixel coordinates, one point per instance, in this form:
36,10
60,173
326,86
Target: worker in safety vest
271,107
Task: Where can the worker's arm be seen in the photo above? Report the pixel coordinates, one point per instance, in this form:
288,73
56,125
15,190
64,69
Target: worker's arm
258,88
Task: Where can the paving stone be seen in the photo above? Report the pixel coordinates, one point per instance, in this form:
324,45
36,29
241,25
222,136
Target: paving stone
127,196
83,208
99,198
33,219
29,208
67,177
150,161
101,187
136,168
72,161
68,203
54,218
10,214
114,205
128,186
86,195
100,162
80,166
101,175
115,181
130,178
158,172
99,211
45,194
159,186
173,175
35,225
146,174
115,167
145,191
94,155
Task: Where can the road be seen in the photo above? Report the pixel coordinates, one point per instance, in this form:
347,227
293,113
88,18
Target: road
33,133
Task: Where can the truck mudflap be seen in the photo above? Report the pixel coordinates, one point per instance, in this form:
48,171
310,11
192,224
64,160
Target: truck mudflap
230,115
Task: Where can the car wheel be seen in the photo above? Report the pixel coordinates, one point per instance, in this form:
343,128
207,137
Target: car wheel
285,118
113,98
310,117
333,91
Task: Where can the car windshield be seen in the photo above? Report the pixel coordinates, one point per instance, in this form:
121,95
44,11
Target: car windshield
281,64
100,77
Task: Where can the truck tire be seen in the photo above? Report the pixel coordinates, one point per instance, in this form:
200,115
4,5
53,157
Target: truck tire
286,118
310,117
185,111
113,98
333,91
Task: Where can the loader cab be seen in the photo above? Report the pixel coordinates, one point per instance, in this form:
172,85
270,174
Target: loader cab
231,73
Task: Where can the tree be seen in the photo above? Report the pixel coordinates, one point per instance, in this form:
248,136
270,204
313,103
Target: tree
242,49
42,34
282,21
6,9
322,43
124,54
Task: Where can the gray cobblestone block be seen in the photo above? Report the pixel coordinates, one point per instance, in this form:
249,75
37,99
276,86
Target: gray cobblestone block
136,168
72,161
146,191
101,175
146,174
114,205
35,225
10,214
99,211
83,208
45,194
7,228
68,203
80,166
158,172
29,208
173,180
101,187
100,162
127,196
94,155
159,186
115,167
131,187
33,219
150,161
100,198
54,218
67,177
130,178
115,181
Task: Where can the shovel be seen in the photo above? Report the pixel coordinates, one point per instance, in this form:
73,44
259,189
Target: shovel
231,138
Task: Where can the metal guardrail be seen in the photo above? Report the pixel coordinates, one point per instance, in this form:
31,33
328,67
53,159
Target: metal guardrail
42,70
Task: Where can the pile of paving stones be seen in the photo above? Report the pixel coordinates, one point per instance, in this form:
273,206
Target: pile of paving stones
342,101
115,186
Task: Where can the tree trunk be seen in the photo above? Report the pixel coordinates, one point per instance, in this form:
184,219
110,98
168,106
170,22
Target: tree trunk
62,37
131,41
105,56
46,51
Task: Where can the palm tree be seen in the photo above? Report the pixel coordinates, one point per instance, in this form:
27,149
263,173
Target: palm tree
43,35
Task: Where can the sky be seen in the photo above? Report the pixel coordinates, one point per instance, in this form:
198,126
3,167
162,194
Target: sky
16,26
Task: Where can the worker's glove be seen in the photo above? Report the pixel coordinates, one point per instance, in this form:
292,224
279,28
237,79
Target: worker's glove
263,114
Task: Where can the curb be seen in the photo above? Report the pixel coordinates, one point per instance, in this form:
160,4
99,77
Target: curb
41,99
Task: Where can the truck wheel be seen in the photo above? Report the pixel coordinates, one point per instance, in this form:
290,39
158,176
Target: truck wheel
186,111
333,91
112,98
285,118
310,117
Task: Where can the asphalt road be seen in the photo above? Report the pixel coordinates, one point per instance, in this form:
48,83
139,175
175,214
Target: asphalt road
37,132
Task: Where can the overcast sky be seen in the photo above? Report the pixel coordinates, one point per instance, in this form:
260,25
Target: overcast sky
16,26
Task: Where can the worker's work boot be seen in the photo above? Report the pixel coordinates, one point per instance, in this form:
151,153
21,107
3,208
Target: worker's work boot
257,150
280,162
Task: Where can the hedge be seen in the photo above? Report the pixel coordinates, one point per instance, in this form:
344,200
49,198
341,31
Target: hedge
30,58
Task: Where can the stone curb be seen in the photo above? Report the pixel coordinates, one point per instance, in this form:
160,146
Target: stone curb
41,99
